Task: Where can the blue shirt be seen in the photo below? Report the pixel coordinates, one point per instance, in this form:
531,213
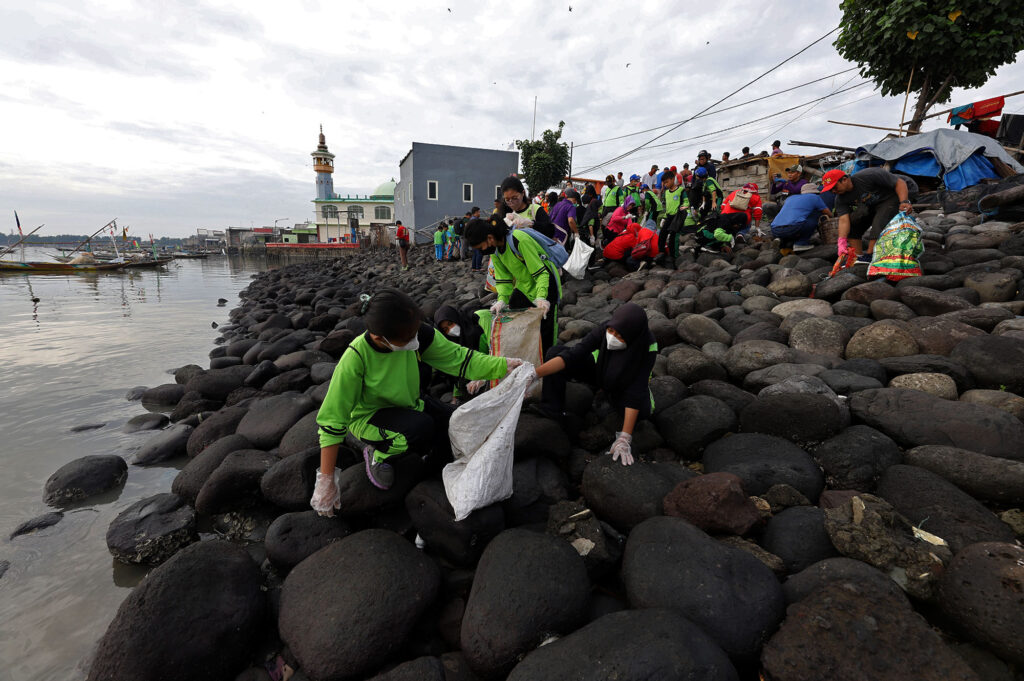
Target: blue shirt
657,180
799,209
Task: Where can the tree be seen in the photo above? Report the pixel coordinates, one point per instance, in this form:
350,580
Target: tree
545,161
945,43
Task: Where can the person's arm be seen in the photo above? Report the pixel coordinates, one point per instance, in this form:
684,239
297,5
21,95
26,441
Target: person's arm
552,366
455,360
637,394
629,420
336,411
573,226
903,193
757,210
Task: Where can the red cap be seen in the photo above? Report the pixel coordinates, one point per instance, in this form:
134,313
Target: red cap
752,186
830,179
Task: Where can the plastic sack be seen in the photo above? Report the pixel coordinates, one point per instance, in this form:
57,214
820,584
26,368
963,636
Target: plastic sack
517,334
897,250
576,265
483,433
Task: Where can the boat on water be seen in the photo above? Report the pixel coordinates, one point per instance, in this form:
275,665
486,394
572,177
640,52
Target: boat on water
189,256
58,267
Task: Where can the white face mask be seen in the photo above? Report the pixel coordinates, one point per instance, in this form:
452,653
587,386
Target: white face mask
414,344
455,331
613,342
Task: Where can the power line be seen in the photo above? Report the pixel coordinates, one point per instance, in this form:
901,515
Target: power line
708,108
800,115
718,111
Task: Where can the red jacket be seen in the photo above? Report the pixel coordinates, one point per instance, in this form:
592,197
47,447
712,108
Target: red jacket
621,246
402,233
620,220
753,207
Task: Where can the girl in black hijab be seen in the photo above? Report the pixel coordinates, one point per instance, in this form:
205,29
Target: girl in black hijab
618,357
470,330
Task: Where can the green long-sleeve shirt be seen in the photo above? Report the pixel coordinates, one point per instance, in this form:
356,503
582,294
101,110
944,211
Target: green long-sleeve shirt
528,273
367,380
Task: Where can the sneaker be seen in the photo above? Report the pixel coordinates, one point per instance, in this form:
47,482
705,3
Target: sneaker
864,257
381,474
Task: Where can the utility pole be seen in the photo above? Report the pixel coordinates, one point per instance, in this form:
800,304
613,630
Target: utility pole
570,160
533,134
280,220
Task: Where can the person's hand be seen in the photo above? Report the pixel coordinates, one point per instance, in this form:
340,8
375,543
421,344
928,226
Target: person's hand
843,246
326,497
513,363
621,449
544,305
906,207
498,306
473,387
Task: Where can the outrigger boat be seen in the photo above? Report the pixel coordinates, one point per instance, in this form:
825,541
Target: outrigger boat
59,267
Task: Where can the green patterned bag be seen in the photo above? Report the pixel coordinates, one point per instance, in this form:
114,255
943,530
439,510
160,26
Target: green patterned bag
898,249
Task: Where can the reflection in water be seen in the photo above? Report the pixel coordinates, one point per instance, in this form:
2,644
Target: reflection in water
68,361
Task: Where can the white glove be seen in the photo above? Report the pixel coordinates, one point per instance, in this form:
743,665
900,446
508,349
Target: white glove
620,450
543,304
518,221
498,306
326,497
475,386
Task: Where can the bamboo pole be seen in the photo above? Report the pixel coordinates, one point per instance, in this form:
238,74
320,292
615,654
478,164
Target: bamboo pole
91,236
20,241
950,110
906,98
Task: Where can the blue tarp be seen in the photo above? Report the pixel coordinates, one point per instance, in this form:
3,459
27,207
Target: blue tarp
970,173
919,164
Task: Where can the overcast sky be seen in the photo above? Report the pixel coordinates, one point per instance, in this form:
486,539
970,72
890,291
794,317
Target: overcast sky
177,115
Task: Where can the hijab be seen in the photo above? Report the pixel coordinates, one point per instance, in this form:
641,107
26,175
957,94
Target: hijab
468,324
619,368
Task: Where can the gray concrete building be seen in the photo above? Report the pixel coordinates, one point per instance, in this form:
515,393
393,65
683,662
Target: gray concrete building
438,181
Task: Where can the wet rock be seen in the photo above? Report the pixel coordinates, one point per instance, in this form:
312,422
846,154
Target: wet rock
669,563
515,604
930,303
164,395
217,384
220,424
714,502
293,537
855,630
856,458
913,418
168,444
148,421
695,422
981,592
1000,399
632,645
460,543
135,393
995,362
820,336
762,461
988,478
289,482
261,373
38,523
152,530
368,625
154,630
190,479
799,417
301,436
83,478
236,480
193,404
269,419
939,507
881,339
797,535
627,495
810,579
938,385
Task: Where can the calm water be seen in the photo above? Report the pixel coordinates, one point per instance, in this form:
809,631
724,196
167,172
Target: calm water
66,361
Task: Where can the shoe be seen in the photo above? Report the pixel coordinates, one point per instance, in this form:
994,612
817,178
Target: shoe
864,257
800,248
381,475
642,265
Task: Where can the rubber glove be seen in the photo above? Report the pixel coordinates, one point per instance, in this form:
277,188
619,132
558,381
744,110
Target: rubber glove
473,387
543,304
326,497
621,450
513,363
498,306
843,246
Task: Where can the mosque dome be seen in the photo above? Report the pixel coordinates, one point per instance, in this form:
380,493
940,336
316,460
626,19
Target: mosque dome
385,190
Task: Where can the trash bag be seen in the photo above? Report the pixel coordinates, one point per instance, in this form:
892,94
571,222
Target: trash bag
483,433
517,334
897,250
576,265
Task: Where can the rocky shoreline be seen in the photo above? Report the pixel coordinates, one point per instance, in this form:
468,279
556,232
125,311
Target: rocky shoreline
830,487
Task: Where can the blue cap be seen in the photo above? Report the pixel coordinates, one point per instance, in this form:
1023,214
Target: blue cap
701,171
634,177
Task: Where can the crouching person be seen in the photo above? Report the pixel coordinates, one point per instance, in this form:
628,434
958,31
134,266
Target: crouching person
634,248
375,392
617,357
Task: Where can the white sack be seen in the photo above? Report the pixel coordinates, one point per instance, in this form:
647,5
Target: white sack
576,265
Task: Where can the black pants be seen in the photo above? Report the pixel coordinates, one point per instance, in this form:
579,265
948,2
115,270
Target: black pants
395,431
585,371
548,326
868,222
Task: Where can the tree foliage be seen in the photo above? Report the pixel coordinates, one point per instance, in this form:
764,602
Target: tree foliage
946,43
545,161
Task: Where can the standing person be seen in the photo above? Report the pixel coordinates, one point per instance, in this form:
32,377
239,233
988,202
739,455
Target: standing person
651,178
460,231
725,157
684,177
797,222
677,204
614,195
865,203
736,218
652,207
522,280
617,357
478,258
375,393
563,215
777,148
402,240
590,223
704,161
519,213
453,242
633,188
498,205
439,242
619,181
746,154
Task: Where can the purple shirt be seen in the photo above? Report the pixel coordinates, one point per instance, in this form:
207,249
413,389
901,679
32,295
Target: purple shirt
560,215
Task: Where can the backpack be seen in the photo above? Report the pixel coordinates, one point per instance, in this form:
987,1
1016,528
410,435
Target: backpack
459,226
554,252
741,199
642,249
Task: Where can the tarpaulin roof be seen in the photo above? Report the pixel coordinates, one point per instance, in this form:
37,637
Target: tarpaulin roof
949,147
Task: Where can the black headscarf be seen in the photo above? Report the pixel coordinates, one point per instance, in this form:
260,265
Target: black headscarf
620,368
468,325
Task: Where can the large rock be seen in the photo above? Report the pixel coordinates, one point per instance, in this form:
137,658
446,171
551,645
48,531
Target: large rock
797,535
301,437
152,530
927,302
913,418
166,395
833,287
881,339
801,585
85,477
984,318
627,495
359,496
537,436
289,482
763,461
743,358
631,645
527,586
190,479
690,365
669,563
168,444
938,336
852,630
819,336
869,292
856,458
155,633
293,537
983,477
694,423
737,398
941,508
460,543
714,502
269,419
235,481
697,330
374,584
996,362
1000,399
800,417
981,592
217,384
811,306
147,421
219,424
928,364
994,287
938,385
426,668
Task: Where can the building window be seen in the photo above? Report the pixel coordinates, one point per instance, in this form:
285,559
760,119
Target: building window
432,190
381,212
497,192
355,212
467,193
329,212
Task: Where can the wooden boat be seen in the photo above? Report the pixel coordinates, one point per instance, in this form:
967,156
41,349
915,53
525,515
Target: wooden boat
193,256
135,264
58,267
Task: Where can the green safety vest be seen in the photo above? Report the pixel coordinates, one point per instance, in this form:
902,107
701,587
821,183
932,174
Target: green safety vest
655,201
613,198
674,198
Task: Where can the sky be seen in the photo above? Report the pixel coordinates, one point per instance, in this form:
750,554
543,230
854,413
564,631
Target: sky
181,115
